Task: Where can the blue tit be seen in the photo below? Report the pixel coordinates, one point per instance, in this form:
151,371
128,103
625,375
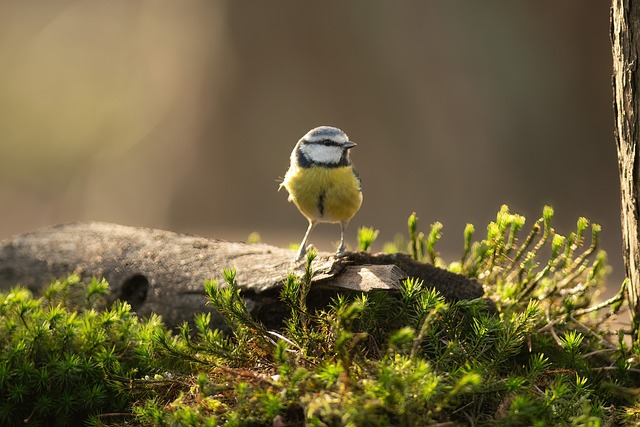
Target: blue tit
322,182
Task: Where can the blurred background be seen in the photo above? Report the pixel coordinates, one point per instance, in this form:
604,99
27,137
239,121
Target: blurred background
182,115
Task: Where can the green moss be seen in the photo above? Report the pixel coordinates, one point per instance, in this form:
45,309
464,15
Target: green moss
541,353
62,359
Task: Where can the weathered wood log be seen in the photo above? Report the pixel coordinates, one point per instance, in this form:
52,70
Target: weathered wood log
164,272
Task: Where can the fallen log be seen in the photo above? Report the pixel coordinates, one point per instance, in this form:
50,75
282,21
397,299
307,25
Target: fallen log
164,272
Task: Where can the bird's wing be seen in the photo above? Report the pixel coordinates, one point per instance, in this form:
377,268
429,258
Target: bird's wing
357,175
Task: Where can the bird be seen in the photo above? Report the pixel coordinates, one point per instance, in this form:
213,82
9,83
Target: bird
322,182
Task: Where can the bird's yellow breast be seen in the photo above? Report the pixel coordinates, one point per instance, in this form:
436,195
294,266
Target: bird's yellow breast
324,194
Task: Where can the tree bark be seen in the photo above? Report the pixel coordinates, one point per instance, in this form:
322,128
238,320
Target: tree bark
625,42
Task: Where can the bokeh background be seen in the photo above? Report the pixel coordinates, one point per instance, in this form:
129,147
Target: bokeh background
182,115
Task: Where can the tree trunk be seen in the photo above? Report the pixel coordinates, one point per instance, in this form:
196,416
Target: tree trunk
625,42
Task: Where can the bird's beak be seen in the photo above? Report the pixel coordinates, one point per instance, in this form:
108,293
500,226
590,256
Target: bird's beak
349,144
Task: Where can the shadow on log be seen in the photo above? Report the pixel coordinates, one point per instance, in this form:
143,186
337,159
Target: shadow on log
164,272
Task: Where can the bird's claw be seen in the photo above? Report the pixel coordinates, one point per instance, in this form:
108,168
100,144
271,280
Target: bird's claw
302,252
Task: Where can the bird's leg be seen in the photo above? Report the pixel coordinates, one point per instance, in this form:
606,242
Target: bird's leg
302,251
343,226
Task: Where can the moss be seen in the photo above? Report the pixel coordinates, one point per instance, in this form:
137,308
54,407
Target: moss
546,356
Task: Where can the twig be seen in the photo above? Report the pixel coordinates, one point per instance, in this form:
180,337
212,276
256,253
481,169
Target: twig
556,337
285,339
604,350
612,368
594,334
616,298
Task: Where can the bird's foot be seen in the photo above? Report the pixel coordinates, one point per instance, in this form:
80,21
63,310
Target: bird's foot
302,252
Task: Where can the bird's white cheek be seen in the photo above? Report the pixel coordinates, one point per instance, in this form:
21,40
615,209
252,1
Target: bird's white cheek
322,153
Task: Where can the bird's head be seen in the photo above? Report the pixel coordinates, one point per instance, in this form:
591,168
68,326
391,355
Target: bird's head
323,146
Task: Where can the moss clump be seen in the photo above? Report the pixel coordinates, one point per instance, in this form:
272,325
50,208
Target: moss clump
64,356
546,356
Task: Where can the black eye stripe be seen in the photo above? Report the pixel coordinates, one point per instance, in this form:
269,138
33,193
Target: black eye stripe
325,142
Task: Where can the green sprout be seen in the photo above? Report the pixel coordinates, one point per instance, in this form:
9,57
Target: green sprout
366,237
